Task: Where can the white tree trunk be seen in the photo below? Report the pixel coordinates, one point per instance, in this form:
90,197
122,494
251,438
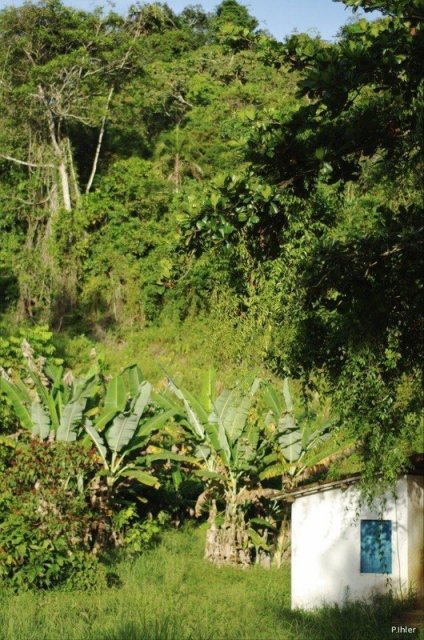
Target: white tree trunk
64,178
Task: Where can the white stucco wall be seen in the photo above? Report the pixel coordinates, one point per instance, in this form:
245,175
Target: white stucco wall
416,533
326,546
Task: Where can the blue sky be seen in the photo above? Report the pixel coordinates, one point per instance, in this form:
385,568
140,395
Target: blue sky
280,17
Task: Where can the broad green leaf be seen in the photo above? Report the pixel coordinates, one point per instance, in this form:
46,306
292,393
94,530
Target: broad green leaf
46,398
97,439
55,374
106,416
274,471
141,476
121,431
224,414
192,417
196,405
125,425
26,396
84,387
231,411
135,378
40,421
272,457
291,445
217,438
262,523
210,475
287,395
245,449
154,423
257,540
115,398
202,452
286,424
17,399
177,477
144,430
141,399
169,455
207,395
168,402
273,400
70,420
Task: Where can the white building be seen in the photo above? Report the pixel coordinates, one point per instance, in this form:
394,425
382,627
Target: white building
342,549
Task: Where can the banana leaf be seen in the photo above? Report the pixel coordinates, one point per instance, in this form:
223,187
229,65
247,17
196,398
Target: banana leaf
287,395
210,475
46,398
115,398
141,476
18,400
70,420
272,400
40,421
135,378
168,455
263,523
98,440
207,395
217,438
291,445
124,426
55,374
193,419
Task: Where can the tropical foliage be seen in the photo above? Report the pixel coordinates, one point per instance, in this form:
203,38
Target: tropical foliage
184,192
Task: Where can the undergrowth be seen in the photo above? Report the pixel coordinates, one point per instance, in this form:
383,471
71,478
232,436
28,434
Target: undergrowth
170,593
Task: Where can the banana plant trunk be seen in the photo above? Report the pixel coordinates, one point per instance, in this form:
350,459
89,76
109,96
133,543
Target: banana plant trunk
228,544
282,546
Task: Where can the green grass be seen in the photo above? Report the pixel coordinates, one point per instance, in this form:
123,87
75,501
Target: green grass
170,593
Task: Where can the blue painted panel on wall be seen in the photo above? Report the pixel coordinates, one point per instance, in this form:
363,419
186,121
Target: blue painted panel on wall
376,546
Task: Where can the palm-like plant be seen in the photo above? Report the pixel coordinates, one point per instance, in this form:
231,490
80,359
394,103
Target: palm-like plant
49,404
123,428
295,439
301,446
225,442
301,441
53,406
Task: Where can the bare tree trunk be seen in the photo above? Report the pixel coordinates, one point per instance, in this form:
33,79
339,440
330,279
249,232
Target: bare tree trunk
75,186
177,172
66,192
59,152
99,142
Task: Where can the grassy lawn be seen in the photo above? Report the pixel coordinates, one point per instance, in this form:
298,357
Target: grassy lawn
171,594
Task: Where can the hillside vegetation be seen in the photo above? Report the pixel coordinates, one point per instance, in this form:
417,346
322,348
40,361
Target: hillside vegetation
210,290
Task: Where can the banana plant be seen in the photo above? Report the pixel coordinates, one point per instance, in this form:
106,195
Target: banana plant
49,404
301,445
58,407
300,440
122,430
225,441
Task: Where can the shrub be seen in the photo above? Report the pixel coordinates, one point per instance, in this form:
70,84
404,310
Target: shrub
48,524
137,535
12,357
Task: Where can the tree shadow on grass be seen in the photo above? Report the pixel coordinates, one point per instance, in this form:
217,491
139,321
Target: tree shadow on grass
150,630
352,621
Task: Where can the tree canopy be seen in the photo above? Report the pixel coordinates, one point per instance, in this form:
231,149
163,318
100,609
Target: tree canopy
190,176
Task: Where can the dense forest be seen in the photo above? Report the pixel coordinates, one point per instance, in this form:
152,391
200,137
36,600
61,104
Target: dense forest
185,192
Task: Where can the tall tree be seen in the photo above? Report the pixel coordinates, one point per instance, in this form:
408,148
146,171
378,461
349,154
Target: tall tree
60,68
